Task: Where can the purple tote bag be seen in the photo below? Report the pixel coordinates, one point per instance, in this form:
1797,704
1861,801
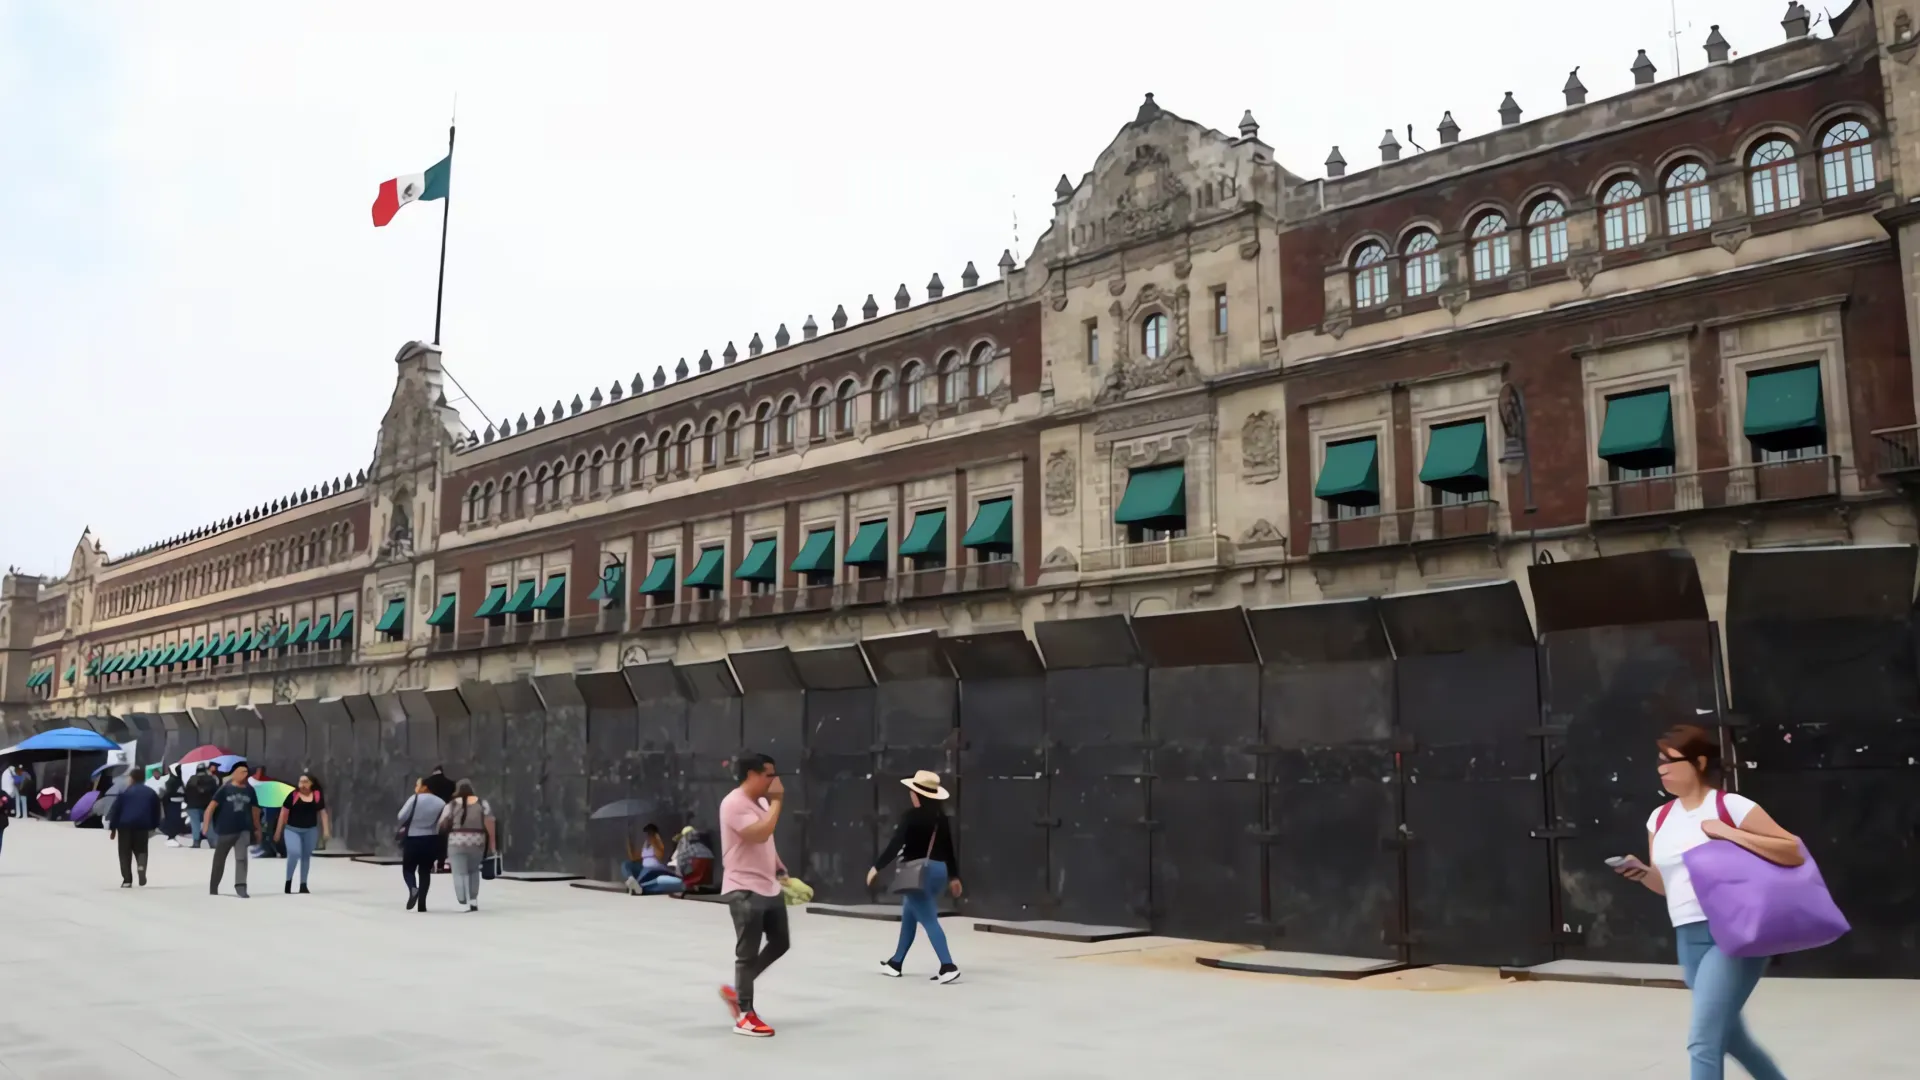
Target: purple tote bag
1758,908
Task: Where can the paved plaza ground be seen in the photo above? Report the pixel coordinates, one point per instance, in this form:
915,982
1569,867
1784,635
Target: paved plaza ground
549,980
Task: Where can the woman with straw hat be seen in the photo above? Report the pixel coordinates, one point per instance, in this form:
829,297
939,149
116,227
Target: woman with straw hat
929,866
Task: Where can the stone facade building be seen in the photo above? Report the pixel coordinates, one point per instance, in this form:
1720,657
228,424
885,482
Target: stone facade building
1683,316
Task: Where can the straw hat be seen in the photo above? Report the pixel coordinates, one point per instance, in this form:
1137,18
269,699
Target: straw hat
926,785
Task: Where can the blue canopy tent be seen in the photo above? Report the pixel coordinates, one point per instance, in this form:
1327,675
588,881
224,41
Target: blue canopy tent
58,743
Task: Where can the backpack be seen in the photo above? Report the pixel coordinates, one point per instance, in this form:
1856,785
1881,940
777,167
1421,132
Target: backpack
1719,802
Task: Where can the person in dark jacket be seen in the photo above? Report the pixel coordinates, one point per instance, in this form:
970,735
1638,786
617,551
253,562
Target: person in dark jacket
441,787
131,821
173,800
197,793
923,833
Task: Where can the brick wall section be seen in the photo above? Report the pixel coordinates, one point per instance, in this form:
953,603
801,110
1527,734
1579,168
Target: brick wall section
1539,359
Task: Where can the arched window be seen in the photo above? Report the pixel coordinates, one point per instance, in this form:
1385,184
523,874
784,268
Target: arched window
789,422
1623,215
1689,207
486,506
619,464
683,449
520,495
733,435
844,406
473,504
710,442
1775,177
593,478
1492,250
883,391
1846,159
1153,336
979,368
953,384
1547,233
1369,276
821,414
579,476
1422,259
663,456
913,380
763,428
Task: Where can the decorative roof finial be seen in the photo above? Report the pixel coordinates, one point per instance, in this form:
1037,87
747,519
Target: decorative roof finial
935,288
1389,147
1798,21
809,329
1509,110
1643,70
1575,90
1249,127
754,345
839,316
969,277
901,298
1449,131
706,360
1717,48
869,309
781,337
1336,164
729,355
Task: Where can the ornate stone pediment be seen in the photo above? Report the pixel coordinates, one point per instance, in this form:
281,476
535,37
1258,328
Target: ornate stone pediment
1173,367
1059,483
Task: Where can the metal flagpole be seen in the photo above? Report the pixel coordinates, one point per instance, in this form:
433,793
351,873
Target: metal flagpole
446,206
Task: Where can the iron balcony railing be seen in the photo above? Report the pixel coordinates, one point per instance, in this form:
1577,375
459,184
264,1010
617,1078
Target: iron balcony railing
1714,489
1896,450
605,621
1393,528
227,667
1172,551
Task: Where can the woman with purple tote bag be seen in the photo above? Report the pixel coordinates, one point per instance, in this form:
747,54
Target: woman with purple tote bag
1707,883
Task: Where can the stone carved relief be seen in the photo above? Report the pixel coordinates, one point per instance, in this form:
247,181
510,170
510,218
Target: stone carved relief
1260,446
1059,483
1249,248
1582,270
1173,367
1155,202
1154,413
1059,559
1182,266
1729,240
1001,396
1260,534
1453,300
1338,326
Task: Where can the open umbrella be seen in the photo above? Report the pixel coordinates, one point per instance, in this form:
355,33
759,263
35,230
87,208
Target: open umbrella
203,753
56,744
85,804
48,797
271,793
627,808
112,769
225,762
99,809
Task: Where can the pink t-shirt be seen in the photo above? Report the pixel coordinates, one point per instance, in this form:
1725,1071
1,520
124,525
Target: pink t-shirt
750,866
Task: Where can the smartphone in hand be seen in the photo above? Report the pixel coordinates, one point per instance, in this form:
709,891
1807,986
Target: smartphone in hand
1628,866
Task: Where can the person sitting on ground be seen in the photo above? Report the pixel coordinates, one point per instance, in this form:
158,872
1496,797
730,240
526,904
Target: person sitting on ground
692,860
647,870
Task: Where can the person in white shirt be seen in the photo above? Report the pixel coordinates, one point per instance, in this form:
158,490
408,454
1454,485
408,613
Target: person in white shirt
1690,770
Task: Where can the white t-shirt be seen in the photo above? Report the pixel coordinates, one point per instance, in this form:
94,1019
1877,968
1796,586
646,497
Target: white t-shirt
1681,834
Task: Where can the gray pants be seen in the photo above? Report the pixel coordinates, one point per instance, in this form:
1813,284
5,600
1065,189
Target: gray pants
755,916
236,843
466,873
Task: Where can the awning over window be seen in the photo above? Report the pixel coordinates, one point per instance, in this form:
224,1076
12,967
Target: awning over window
521,600
342,627
300,631
218,648
659,579
708,573
110,666
442,616
166,655
393,619
279,639
200,647
1456,458
232,643
759,564
245,644
553,598
1154,498
73,670
320,628
816,555
1350,473
141,659
869,545
33,680
496,599
928,535
1638,430
992,528
608,587
1784,408
93,666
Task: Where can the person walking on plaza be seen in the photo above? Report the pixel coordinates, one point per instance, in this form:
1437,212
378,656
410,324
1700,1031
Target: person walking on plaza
232,818
197,793
303,821
131,821
468,825
7,803
173,805
751,872
419,827
442,786
1689,765
923,842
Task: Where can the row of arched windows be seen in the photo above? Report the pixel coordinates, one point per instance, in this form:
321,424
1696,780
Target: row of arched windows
831,412
266,560
1847,167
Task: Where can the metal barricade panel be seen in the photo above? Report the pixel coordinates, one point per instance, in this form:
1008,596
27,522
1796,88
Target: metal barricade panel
1099,855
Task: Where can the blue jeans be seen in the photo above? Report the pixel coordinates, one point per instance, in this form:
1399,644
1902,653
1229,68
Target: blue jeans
1721,985
195,820
923,909
300,845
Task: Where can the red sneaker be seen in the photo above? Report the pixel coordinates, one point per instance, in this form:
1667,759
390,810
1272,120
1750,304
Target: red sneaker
752,1027
732,1001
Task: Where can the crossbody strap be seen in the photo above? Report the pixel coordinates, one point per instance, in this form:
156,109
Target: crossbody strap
1720,805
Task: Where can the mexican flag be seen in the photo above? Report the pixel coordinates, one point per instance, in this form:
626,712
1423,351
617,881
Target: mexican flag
402,190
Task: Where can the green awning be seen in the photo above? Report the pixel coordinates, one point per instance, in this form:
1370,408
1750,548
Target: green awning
707,573
816,555
93,666
928,535
232,643
320,628
118,662
166,655
279,639
758,565
1350,474
1153,497
553,598
608,587
219,647
659,578
391,618
496,599
73,670
869,545
141,660
112,665
342,627
300,631
245,645
199,650
33,680
992,528
1456,458
442,616
521,601
1784,408
1637,432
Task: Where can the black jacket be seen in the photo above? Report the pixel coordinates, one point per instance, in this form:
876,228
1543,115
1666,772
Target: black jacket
138,807
920,828
199,791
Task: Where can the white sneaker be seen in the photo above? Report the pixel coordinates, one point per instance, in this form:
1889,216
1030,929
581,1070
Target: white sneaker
948,974
173,843
633,887
888,969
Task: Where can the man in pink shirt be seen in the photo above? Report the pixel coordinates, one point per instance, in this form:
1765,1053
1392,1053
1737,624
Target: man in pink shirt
750,883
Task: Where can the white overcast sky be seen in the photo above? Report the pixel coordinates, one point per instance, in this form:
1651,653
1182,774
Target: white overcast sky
197,315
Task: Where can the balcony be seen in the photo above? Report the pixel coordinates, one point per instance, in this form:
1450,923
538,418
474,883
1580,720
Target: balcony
664,616
222,669
1397,528
606,621
955,580
1896,453
1177,551
1715,489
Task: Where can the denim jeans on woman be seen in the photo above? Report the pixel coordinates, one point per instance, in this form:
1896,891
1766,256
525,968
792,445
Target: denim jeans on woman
1721,985
923,909
300,846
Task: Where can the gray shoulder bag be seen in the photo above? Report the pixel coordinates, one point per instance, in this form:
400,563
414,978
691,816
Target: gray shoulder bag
911,876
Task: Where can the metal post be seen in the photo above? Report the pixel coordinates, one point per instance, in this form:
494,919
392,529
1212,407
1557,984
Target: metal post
446,208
